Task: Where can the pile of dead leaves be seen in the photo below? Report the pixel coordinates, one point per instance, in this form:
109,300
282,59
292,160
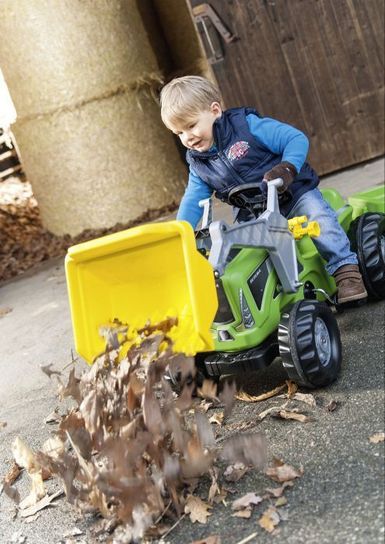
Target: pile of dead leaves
130,449
24,242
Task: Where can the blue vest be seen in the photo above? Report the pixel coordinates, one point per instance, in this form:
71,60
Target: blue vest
240,158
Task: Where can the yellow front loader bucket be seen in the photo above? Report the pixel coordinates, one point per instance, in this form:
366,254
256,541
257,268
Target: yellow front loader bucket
140,275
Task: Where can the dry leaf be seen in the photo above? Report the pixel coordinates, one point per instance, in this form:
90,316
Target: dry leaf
227,396
332,405
43,503
4,311
48,372
37,490
249,449
277,491
292,388
217,418
102,526
241,425
233,473
245,501
54,447
151,412
204,405
73,532
53,417
205,430
129,445
31,519
269,519
214,539
221,497
72,387
248,539
281,472
12,474
245,513
155,531
284,414
184,400
272,410
183,367
249,398
376,438
23,455
25,458
11,492
198,510
281,501
208,390
307,398
214,487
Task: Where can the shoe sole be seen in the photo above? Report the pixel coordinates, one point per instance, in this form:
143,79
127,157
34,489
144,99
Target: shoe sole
353,298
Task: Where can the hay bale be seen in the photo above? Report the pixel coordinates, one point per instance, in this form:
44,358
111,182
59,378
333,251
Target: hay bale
90,136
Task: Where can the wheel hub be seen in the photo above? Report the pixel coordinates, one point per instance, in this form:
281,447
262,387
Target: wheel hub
322,341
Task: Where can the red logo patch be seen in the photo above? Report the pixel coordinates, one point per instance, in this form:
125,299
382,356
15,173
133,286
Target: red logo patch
237,150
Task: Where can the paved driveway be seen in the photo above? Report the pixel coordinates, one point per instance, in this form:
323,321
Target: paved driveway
339,498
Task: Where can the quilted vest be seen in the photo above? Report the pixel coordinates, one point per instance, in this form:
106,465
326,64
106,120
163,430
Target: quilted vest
240,158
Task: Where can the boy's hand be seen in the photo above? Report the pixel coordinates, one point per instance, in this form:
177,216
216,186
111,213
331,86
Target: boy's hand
284,170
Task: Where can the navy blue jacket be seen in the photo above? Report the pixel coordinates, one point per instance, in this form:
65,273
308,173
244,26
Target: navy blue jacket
239,158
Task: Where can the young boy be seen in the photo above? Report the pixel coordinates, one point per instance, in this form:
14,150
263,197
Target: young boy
229,147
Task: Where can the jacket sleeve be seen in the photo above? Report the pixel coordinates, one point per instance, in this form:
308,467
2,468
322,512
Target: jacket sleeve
196,190
280,138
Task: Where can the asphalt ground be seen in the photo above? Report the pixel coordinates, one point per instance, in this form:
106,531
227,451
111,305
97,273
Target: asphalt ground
339,498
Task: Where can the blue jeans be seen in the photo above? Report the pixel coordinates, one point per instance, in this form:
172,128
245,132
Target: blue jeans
332,243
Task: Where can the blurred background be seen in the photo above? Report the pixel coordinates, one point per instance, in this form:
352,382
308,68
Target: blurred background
83,151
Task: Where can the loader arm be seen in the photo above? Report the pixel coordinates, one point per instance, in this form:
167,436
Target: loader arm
270,231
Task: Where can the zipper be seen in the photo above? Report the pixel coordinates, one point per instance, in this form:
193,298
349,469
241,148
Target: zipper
230,167
224,159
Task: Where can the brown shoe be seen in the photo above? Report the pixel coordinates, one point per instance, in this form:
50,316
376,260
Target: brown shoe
349,284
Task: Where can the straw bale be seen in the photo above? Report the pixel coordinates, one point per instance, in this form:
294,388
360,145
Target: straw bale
97,172
91,141
182,37
57,53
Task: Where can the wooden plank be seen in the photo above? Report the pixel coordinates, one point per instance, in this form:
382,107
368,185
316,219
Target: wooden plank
376,18
344,88
317,64
364,107
298,55
372,99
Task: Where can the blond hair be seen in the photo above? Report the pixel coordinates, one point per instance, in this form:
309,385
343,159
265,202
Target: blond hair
184,97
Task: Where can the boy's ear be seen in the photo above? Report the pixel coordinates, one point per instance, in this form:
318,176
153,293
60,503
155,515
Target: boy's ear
216,108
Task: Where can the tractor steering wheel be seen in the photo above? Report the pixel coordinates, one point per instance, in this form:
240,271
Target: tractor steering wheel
248,196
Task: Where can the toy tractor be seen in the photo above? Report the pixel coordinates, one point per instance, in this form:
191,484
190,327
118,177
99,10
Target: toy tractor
242,294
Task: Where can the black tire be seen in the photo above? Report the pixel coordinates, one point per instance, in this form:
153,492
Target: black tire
310,344
367,239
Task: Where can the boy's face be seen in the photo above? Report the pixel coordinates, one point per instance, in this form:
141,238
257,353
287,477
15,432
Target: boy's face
197,132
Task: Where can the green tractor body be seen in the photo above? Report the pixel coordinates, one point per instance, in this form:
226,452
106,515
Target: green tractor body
242,294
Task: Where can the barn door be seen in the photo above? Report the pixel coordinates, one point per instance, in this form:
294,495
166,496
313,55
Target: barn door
317,64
